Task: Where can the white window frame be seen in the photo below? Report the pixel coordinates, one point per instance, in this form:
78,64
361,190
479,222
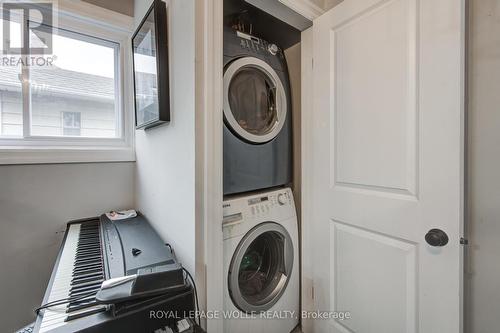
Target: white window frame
90,20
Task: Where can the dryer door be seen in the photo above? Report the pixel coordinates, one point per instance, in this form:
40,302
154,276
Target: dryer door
261,268
255,103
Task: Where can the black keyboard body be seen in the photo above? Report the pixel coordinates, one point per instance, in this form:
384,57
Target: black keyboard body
102,250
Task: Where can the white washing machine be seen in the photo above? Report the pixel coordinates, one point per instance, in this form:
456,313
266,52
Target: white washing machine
261,263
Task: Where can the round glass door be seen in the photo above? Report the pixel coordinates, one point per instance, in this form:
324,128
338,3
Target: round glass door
260,268
254,100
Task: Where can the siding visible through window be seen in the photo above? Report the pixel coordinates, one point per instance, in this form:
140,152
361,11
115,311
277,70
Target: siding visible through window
82,78
72,108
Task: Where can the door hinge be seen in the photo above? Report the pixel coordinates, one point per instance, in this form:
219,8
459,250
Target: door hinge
312,292
464,241
312,62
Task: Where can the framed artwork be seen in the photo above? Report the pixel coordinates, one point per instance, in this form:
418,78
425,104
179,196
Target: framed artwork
151,74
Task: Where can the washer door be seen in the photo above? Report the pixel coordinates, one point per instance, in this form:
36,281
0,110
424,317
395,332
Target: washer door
261,268
255,104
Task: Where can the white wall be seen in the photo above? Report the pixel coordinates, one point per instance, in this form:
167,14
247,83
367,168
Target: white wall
484,167
165,177
36,201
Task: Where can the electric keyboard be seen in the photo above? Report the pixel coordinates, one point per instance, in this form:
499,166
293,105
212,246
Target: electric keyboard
140,274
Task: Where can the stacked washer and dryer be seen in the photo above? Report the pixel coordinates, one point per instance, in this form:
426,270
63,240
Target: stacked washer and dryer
261,250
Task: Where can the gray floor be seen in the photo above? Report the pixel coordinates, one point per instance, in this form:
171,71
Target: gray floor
297,330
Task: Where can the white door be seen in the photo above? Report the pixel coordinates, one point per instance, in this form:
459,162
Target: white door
387,165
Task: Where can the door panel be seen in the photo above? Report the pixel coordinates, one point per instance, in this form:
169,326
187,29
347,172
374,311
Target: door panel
374,90
387,165
388,269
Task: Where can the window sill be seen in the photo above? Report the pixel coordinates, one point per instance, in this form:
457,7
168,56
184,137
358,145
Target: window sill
53,155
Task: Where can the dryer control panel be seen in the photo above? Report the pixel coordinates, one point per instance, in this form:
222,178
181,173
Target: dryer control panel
258,45
239,44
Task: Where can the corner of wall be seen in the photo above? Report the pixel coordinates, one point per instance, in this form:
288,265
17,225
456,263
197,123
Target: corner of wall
165,155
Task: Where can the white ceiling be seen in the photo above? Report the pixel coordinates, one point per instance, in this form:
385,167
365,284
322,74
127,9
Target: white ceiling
121,6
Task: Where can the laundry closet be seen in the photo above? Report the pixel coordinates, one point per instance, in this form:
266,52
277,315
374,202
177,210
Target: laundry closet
261,169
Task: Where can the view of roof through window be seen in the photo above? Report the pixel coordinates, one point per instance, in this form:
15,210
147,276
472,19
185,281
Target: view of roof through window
79,78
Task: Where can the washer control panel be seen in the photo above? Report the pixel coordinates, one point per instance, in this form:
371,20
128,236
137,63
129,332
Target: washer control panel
258,206
244,212
262,205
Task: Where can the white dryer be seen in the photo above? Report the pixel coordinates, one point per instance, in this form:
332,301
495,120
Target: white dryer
261,263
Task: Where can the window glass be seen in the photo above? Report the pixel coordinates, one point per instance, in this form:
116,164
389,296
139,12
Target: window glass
11,100
252,99
146,90
261,268
81,80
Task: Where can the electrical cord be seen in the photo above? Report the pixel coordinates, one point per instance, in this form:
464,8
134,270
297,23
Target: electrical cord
194,287
61,302
195,296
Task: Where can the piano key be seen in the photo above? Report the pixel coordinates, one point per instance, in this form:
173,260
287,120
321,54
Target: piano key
85,298
87,267
86,291
85,312
95,256
83,256
78,277
87,251
93,246
89,232
87,261
84,264
87,283
89,235
87,271
80,286
81,305
88,246
84,279
88,241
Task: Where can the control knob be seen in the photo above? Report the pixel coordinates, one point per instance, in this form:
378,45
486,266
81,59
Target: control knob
273,49
281,199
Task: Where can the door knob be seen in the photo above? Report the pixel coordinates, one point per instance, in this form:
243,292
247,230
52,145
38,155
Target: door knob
436,237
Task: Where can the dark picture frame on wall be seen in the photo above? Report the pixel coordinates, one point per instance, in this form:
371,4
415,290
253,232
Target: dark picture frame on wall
151,73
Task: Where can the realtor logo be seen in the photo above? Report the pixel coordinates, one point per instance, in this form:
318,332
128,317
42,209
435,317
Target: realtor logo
36,22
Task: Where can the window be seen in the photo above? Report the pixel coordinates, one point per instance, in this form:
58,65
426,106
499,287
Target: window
71,97
81,78
72,123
